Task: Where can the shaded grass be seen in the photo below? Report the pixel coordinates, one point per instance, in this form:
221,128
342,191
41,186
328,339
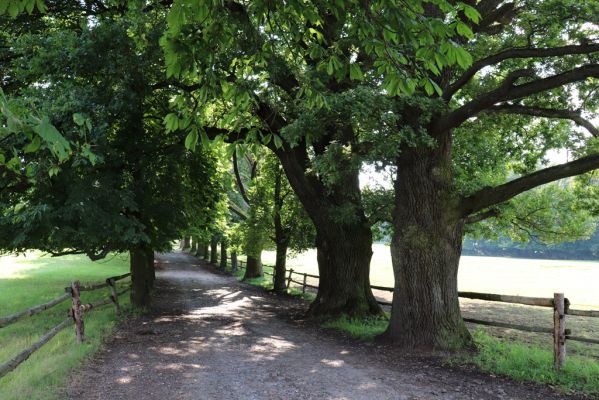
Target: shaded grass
365,329
530,363
33,279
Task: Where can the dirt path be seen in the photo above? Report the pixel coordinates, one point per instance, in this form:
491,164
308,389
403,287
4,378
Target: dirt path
210,337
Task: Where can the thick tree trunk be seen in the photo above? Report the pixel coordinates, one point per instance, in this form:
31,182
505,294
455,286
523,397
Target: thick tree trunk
150,265
425,252
344,254
279,285
141,280
344,245
233,261
253,267
223,254
194,245
213,250
186,243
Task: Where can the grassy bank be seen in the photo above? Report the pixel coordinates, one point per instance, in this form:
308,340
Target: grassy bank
33,279
530,363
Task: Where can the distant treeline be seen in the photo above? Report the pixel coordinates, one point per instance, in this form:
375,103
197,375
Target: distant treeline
504,247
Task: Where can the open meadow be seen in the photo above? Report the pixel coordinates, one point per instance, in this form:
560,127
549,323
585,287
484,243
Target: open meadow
34,279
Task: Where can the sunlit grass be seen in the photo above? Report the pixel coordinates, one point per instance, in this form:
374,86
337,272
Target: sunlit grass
365,329
530,363
33,279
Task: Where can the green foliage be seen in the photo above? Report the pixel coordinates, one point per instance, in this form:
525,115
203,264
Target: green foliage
134,184
532,364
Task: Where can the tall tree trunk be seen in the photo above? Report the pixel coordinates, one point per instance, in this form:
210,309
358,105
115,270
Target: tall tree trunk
206,252
253,268
280,267
223,254
425,252
199,249
213,250
186,243
344,246
233,261
150,265
141,280
194,245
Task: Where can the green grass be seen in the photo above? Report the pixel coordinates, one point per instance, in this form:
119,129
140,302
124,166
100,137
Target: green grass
530,363
363,329
33,279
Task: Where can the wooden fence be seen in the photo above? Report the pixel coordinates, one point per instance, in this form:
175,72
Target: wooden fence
74,315
559,303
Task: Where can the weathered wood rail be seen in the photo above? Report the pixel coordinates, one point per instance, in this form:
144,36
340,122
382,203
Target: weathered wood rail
75,315
559,303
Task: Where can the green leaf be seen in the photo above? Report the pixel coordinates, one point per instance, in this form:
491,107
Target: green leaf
79,119
355,73
13,9
41,6
463,58
29,6
278,141
471,13
53,171
2,159
191,140
33,146
464,30
171,122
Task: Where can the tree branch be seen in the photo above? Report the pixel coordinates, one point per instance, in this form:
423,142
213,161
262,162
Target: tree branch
481,216
238,178
490,196
517,53
547,113
509,91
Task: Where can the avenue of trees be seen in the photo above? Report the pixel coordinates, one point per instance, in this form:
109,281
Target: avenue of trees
127,124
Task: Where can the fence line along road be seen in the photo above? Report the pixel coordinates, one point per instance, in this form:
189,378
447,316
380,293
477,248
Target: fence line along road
559,303
75,315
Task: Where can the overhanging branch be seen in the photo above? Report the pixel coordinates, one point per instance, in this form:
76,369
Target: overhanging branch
547,113
508,90
490,196
513,54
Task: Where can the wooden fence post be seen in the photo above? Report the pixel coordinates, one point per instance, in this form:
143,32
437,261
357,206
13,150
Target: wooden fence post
559,331
289,279
304,285
114,296
76,311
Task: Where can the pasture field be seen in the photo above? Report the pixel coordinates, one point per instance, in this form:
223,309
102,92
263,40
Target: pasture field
33,279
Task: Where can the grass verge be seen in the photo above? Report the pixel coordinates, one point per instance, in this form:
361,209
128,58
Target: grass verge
34,279
360,328
530,363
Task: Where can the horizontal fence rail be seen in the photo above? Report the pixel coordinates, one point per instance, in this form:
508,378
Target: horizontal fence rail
75,315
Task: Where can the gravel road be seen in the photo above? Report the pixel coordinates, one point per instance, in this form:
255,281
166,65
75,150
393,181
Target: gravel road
211,337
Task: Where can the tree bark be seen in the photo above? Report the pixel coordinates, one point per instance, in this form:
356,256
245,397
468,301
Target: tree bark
200,250
253,267
233,261
194,245
206,252
344,248
425,251
150,265
223,254
186,243
140,277
213,250
344,254
279,285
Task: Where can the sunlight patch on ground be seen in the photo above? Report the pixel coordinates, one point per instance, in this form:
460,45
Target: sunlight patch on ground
333,363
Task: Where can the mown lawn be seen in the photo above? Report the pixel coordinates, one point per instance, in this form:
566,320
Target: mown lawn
33,279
